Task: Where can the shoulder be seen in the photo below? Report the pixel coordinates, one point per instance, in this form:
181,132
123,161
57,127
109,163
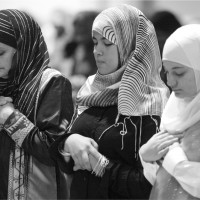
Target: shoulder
52,77
50,73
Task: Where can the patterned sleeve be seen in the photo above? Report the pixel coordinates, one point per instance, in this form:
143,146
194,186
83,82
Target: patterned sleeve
53,115
18,126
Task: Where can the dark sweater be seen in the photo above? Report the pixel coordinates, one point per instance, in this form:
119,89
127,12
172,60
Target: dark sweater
123,178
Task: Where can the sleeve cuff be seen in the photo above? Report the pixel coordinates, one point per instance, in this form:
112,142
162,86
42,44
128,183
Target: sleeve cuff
149,169
174,156
18,126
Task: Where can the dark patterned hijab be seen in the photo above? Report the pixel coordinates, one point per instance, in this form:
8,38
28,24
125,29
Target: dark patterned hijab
140,90
20,31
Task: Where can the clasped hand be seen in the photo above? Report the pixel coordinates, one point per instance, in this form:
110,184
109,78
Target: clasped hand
83,150
6,108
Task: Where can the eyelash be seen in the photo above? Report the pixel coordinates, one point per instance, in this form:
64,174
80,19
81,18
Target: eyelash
108,44
176,74
181,74
95,43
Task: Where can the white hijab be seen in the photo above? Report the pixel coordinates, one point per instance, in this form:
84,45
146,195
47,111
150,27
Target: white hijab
183,47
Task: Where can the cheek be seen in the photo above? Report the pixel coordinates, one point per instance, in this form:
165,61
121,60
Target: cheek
190,86
9,63
115,59
113,63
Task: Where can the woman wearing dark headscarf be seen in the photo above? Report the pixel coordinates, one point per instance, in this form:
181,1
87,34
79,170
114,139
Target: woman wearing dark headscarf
119,109
31,118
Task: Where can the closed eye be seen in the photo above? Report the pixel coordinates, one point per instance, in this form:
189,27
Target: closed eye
179,74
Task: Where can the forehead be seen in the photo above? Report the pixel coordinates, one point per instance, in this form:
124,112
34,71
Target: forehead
170,65
98,36
4,46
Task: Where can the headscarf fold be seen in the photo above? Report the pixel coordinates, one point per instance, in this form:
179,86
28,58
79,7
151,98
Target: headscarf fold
140,90
20,31
183,47
31,58
181,115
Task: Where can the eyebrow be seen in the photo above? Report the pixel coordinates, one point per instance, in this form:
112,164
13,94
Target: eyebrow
102,38
174,68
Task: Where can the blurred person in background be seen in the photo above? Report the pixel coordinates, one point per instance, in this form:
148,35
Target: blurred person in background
118,110
80,46
57,32
35,108
172,166
79,50
165,23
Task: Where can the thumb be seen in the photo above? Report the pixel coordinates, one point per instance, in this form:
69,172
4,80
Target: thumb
94,144
77,167
94,152
8,99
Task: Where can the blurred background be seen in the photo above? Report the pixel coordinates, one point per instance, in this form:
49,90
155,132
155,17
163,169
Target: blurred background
66,26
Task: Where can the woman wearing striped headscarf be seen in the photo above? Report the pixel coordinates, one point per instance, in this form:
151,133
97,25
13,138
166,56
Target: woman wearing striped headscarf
31,118
119,109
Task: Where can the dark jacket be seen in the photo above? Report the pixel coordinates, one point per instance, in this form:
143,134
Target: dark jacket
50,117
123,178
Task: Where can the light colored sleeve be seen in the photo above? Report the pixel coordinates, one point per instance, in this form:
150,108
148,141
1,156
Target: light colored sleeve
150,170
184,171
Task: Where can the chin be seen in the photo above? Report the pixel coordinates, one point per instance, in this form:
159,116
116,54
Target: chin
179,95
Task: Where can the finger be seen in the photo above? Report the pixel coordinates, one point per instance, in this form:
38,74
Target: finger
164,135
179,136
95,153
8,99
166,138
77,167
76,162
85,161
82,160
161,132
163,152
167,143
94,144
2,102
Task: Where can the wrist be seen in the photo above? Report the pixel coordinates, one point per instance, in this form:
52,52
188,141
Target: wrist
10,117
142,154
100,166
5,116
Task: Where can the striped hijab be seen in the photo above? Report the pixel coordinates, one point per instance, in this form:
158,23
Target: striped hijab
140,90
31,58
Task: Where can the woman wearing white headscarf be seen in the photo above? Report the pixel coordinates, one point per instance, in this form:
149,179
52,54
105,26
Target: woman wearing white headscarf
119,109
178,177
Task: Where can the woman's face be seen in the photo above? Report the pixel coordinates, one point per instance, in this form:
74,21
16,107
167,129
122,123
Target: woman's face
181,79
6,56
106,54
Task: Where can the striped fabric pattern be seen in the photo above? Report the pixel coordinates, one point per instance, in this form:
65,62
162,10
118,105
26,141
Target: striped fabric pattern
109,34
32,59
141,91
22,85
7,34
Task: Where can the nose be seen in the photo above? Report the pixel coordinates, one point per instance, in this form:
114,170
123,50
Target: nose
98,50
171,81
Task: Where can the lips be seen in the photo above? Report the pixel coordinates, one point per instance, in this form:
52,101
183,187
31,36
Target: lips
100,62
176,91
